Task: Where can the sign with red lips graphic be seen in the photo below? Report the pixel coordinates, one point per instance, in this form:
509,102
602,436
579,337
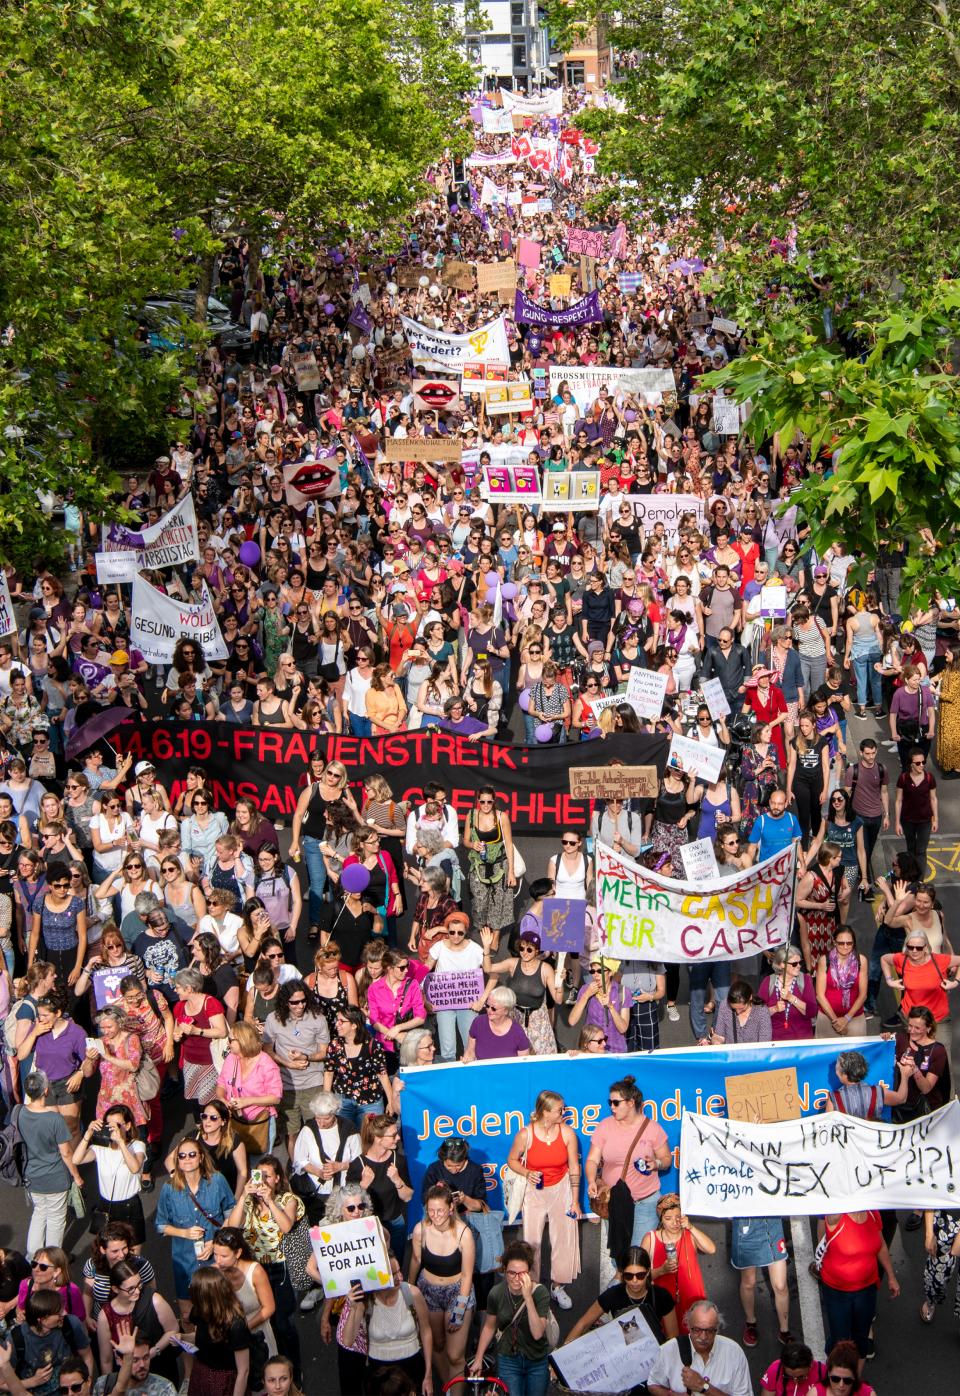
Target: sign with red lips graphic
434,395
310,481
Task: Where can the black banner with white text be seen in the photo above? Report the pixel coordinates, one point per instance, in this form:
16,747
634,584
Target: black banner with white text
269,765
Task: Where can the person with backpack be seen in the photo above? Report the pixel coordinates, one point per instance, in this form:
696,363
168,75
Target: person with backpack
45,1340
682,1363
794,1373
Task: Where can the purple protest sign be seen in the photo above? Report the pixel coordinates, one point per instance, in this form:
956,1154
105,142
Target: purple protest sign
360,319
106,986
563,925
453,989
583,312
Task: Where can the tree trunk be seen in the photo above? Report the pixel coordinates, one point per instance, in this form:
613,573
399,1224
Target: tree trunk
254,274
204,285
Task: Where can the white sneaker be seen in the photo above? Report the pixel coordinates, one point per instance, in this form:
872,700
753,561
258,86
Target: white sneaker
673,1013
310,1300
560,1297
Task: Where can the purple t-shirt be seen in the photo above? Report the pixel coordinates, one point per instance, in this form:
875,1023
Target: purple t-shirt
599,1017
61,1056
488,1045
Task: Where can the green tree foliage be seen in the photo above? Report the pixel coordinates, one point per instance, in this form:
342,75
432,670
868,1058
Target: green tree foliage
126,119
842,120
890,416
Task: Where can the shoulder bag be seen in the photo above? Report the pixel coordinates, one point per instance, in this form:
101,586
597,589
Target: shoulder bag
514,1187
601,1203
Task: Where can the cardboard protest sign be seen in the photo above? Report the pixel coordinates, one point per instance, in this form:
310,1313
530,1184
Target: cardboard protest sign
715,698
615,1357
157,622
646,690
729,327
642,915
170,542
763,1097
832,1164
8,621
565,491
433,349
699,319
614,782
698,860
307,371
560,285
408,277
423,448
453,989
457,274
698,759
348,1251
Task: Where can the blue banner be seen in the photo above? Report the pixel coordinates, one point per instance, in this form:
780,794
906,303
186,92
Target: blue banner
488,1102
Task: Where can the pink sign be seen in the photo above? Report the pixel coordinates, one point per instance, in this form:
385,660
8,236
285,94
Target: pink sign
528,252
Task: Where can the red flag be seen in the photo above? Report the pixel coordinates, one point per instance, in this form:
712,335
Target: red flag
589,147
521,147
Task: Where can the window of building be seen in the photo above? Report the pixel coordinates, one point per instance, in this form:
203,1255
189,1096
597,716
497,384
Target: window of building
520,55
574,74
516,14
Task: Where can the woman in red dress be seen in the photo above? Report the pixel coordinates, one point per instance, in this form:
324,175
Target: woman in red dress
768,705
673,1248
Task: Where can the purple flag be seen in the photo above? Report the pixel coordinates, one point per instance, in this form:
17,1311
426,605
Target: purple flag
360,318
583,312
476,113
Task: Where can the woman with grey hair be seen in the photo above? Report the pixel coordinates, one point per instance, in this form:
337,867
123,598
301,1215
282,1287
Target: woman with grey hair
198,1023
323,1151
346,1203
495,1033
417,1048
855,1096
433,906
790,995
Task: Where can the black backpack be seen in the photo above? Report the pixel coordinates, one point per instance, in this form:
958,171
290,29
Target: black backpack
13,1151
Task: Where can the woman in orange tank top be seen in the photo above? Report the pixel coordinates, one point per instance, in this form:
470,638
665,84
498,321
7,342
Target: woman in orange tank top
547,1153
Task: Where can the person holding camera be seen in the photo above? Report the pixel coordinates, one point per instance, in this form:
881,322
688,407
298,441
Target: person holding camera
120,1157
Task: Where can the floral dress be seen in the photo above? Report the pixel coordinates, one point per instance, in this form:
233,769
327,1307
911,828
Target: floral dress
262,1233
820,924
274,643
148,1024
118,1087
357,1078
755,784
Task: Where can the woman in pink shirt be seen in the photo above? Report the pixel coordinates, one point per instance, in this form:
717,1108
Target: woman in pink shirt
395,1005
249,1084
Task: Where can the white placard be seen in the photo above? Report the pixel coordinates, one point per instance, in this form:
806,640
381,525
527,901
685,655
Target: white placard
715,698
496,122
8,621
667,509
348,1251
726,415
170,542
773,601
729,327
615,1357
600,705
646,690
157,622
434,349
549,103
585,384
697,758
642,915
829,1164
699,861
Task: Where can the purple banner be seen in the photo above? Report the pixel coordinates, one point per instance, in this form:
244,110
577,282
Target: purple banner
360,319
583,312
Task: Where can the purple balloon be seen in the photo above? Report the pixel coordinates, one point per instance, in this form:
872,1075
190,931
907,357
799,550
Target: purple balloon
336,258
493,587
328,308
508,591
249,553
355,878
545,732
524,701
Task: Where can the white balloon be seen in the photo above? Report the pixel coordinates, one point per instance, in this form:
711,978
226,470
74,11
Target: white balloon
424,281
359,352
392,288
397,340
435,291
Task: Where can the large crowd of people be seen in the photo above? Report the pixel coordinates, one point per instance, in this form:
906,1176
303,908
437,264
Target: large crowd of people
203,1003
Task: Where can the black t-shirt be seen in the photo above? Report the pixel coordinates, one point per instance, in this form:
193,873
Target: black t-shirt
932,1058
655,1307
350,932
219,1353
810,762
387,1204
470,1180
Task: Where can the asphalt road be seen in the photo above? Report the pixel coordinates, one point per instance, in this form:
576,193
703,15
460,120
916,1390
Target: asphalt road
901,1338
